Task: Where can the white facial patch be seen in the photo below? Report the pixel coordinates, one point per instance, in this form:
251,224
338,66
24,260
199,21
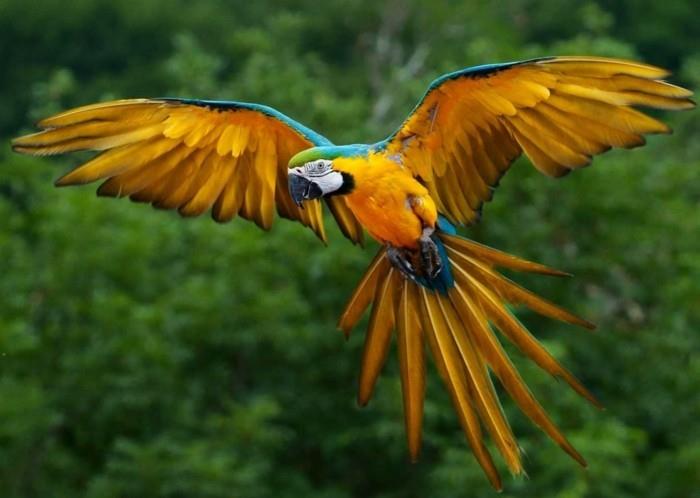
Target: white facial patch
329,182
322,174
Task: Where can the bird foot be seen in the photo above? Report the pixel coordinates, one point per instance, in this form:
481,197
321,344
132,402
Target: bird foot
429,255
402,260
415,263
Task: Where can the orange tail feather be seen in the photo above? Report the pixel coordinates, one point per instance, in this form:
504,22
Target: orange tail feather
459,329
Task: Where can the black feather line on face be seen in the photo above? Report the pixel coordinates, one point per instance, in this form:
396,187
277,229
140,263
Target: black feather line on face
347,186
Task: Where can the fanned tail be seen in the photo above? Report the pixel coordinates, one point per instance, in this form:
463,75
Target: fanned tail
459,326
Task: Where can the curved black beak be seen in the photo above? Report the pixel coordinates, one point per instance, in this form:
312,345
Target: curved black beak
302,189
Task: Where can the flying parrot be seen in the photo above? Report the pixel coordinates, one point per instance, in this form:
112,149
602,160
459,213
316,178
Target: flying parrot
408,192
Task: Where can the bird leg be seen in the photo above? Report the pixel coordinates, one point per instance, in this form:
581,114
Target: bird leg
402,259
429,254
422,262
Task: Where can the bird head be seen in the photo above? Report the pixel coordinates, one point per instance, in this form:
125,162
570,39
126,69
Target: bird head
311,177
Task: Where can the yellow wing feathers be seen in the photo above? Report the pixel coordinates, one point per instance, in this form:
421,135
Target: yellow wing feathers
459,328
231,158
193,158
560,112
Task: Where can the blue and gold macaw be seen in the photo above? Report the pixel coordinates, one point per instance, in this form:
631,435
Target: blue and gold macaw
407,191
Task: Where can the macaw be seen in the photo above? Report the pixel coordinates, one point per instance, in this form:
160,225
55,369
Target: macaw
408,191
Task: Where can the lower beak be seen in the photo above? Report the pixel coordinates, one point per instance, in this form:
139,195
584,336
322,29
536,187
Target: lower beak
298,186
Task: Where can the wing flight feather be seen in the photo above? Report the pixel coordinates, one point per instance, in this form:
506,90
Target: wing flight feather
559,111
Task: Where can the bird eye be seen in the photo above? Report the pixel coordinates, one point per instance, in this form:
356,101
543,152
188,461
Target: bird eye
316,168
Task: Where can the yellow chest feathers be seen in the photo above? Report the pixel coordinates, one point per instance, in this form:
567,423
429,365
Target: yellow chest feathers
384,199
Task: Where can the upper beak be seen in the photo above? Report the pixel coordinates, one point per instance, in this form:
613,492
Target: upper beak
302,189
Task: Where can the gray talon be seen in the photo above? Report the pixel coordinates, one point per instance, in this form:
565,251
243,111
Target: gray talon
401,261
430,257
423,262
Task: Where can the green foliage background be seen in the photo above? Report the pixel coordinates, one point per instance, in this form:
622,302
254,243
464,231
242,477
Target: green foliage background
146,356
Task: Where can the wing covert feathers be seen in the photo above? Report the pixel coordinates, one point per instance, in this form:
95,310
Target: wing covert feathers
193,156
460,330
559,111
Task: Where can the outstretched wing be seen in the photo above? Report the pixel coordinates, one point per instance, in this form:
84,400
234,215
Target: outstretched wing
560,111
189,155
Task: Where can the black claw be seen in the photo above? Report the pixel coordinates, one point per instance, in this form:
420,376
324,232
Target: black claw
430,257
423,262
401,261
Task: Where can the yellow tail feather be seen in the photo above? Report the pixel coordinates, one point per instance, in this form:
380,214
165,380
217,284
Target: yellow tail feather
459,328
